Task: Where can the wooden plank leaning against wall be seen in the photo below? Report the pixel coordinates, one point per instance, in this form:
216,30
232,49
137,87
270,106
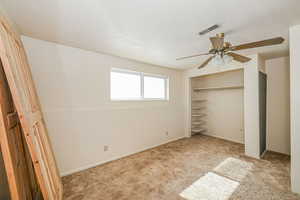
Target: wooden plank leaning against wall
18,165
17,71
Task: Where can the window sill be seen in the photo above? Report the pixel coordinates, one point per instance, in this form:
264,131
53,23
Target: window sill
137,100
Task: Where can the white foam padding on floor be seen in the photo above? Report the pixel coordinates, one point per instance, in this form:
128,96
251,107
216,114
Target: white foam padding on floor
233,168
210,187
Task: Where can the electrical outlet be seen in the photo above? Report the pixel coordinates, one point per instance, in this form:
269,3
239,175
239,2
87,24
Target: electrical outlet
167,133
105,148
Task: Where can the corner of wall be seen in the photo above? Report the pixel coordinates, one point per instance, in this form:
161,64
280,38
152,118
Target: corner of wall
251,107
261,62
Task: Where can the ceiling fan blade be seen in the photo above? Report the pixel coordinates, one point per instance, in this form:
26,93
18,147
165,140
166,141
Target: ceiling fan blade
206,62
239,57
269,42
203,54
217,42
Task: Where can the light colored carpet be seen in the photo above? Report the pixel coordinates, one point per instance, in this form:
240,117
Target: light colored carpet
165,172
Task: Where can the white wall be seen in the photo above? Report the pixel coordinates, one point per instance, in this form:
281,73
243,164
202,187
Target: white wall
278,105
73,86
251,103
295,106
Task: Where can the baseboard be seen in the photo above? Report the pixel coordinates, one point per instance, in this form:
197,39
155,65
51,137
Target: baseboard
116,158
283,153
223,138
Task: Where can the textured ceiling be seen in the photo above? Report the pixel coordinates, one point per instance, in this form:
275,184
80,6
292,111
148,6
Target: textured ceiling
155,31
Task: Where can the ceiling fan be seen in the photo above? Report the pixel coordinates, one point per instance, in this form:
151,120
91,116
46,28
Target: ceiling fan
221,49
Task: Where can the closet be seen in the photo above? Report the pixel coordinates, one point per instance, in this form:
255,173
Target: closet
217,105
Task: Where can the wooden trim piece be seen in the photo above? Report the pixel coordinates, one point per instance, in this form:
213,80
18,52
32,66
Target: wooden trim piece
17,70
12,120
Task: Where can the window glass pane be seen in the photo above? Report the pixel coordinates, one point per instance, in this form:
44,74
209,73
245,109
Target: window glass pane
154,87
125,85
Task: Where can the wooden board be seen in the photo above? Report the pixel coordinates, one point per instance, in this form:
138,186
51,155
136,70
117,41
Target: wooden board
12,146
16,68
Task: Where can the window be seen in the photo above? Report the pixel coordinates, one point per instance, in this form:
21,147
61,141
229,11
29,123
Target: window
125,85
154,87
130,85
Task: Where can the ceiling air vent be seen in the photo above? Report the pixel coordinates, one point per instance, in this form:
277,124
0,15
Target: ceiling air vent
214,27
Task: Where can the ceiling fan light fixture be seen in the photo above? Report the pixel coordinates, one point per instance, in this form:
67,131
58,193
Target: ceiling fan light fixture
227,59
219,60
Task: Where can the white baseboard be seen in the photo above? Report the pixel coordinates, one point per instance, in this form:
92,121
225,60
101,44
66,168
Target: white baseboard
223,138
281,152
116,158
284,153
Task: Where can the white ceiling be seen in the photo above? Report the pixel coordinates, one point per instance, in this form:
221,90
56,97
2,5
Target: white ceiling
154,31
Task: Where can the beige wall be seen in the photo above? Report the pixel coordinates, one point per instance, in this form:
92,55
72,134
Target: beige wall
278,105
74,89
295,106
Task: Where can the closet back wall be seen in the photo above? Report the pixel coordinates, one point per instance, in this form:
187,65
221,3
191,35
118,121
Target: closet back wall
74,89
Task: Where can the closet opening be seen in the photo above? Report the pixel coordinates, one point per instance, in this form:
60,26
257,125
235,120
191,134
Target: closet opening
217,105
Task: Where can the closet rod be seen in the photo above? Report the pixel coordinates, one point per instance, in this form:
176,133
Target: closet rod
219,88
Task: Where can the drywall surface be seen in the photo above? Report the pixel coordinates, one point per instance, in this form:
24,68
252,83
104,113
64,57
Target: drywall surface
4,189
278,105
74,89
261,62
251,103
224,108
295,106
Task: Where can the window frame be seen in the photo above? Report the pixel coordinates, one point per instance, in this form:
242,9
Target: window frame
142,75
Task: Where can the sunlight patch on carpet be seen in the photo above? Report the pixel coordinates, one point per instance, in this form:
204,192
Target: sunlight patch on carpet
234,168
210,187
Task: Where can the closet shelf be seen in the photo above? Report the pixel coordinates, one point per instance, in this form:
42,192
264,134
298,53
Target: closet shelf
197,130
199,120
198,108
219,88
200,100
198,115
197,123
